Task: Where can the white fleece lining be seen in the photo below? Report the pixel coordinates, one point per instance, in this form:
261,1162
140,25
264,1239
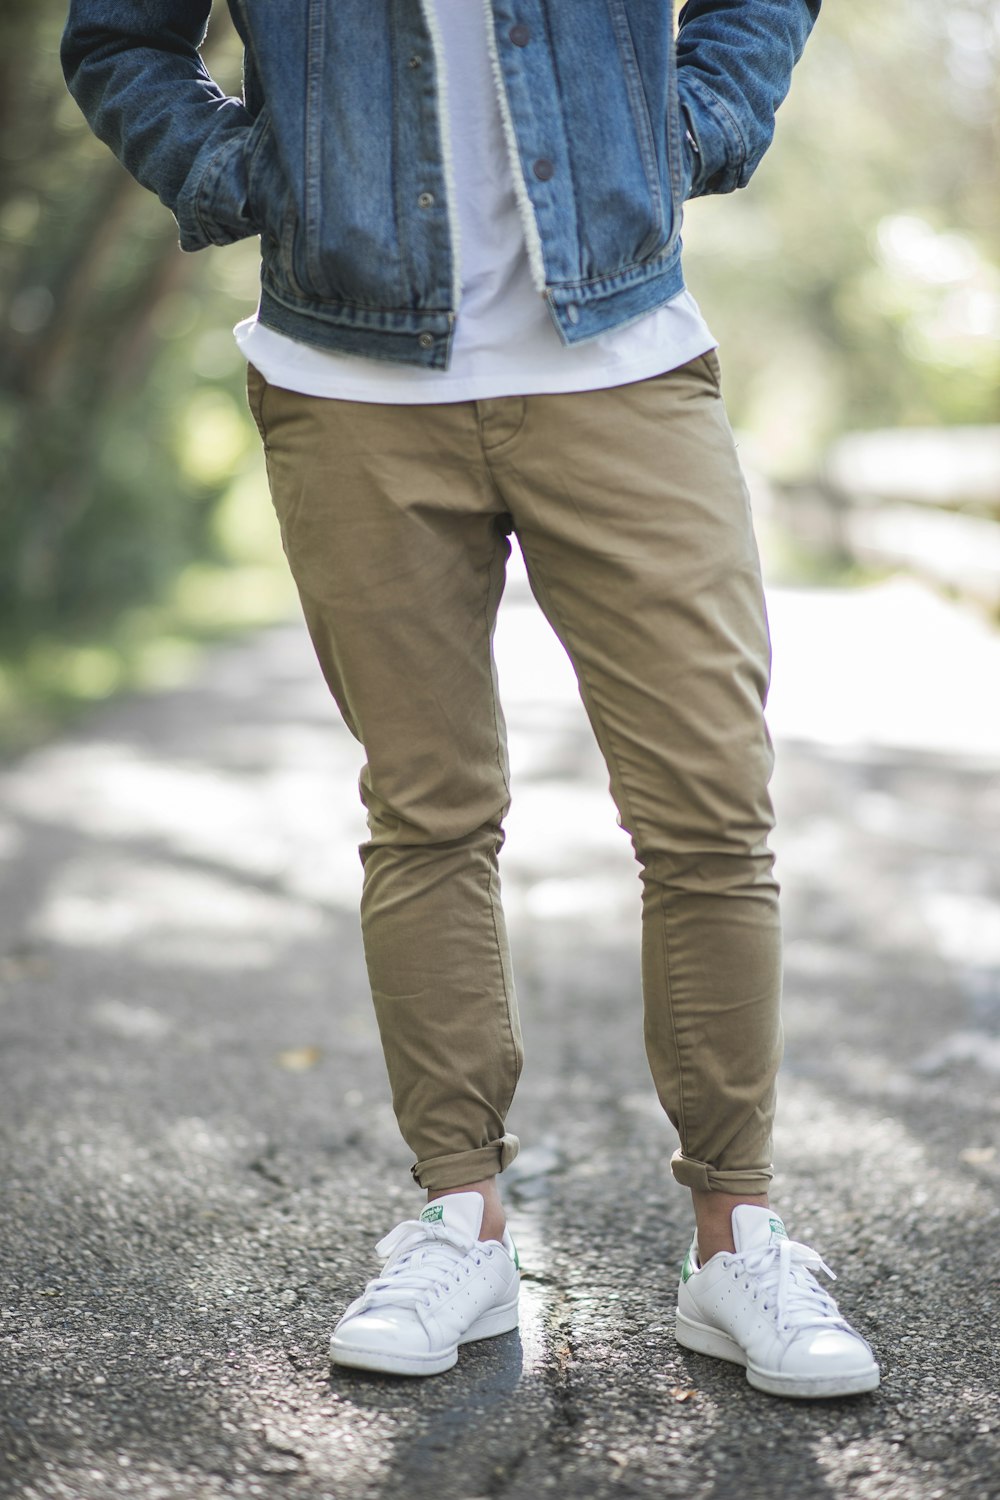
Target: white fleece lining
444,126
532,238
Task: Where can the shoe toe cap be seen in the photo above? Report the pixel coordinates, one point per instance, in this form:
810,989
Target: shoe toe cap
828,1351
374,1332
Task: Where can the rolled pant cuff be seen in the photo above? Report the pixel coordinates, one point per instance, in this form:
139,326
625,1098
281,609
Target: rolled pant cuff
439,1172
701,1175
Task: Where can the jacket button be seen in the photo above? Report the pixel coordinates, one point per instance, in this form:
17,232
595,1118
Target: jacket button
426,200
520,35
543,169
415,61
426,341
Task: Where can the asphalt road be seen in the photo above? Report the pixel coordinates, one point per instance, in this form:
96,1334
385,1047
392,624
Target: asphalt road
198,1151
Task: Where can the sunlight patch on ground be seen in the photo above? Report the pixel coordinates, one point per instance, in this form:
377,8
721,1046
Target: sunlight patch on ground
890,666
171,915
966,927
280,820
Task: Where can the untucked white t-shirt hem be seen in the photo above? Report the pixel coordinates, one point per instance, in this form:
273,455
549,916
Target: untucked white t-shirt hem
310,371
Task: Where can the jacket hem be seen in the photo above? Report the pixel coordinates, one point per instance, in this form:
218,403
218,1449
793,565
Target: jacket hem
592,308
403,336
414,336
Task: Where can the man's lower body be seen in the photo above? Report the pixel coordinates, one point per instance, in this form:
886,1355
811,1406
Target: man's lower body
634,522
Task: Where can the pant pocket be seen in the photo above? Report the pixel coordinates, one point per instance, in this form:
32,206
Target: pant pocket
256,388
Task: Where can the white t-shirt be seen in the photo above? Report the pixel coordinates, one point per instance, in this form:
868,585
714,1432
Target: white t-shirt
505,342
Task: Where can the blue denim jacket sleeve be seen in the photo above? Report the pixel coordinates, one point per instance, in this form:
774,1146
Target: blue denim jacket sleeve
734,67
136,73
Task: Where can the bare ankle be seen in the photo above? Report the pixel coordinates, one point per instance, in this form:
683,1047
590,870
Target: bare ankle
714,1214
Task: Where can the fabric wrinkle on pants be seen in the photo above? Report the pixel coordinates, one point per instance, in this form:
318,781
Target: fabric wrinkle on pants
633,518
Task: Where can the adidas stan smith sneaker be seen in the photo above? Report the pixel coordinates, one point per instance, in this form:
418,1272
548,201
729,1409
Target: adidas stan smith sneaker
760,1306
440,1287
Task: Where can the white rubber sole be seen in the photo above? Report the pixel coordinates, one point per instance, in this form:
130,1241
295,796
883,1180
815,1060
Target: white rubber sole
704,1339
498,1320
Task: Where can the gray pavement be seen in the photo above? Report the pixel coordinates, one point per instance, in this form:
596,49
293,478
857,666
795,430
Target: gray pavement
198,1151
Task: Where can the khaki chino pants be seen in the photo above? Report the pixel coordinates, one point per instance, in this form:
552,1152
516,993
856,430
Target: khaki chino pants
634,522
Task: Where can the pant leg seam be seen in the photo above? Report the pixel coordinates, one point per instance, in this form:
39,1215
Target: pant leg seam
681,1102
489,872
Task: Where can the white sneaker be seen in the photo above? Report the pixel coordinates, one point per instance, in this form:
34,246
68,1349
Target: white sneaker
440,1287
761,1307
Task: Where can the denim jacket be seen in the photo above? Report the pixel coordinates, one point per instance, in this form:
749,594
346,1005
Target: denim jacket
338,153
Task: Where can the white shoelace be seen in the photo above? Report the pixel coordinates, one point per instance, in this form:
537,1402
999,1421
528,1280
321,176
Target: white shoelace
787,1285
425,1262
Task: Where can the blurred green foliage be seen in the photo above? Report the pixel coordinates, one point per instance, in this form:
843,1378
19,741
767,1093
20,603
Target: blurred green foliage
134,514
855,283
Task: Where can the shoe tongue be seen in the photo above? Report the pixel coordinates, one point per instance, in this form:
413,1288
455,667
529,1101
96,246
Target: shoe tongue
461,1211
755,1228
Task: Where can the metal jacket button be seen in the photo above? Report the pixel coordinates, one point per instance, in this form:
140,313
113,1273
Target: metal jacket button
519,35
543,169
426,200
426,341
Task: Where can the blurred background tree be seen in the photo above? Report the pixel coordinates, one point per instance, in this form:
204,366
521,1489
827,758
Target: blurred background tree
855,283
125,448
